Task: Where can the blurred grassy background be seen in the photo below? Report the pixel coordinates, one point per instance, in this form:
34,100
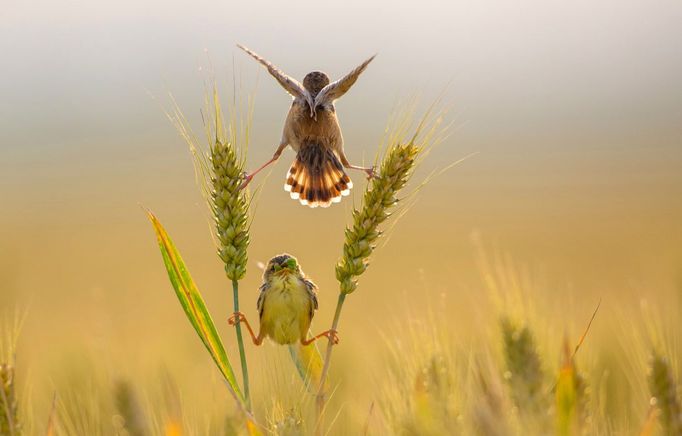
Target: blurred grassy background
574,110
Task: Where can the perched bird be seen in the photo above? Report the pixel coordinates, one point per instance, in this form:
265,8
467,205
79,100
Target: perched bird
286,305
317,176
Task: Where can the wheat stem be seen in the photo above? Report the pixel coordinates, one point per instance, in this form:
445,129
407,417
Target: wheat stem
321,394
664,392
230,206
240,343
9,424
380,196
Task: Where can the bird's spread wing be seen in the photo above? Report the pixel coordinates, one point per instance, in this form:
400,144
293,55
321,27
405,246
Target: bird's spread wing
291,85
336,89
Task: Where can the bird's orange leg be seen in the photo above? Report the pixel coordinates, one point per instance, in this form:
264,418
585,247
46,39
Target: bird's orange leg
238,317
371,171
331,334
249,176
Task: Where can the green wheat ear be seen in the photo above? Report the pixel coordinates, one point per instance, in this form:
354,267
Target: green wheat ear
229,203
524,368
9,414
394,173
10,423
219,173
664,394
129,408
230,208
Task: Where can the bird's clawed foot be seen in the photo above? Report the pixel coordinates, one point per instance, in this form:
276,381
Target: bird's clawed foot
239,317
236,318
371,172
247,179
332,335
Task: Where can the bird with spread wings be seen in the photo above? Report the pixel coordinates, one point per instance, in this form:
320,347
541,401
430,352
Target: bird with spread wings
317,176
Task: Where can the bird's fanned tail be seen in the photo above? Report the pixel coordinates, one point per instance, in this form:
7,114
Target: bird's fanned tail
316,178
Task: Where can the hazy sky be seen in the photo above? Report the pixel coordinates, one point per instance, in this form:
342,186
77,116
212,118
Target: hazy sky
534,73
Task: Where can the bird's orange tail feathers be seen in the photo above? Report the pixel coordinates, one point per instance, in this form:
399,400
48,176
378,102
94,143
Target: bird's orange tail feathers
316,178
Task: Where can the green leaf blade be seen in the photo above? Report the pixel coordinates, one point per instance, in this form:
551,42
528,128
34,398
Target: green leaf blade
193,304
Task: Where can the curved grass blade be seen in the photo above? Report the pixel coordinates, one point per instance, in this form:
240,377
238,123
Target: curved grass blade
567,395
308,361
194,307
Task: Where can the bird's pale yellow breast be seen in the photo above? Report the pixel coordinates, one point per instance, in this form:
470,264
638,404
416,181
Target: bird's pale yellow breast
287,309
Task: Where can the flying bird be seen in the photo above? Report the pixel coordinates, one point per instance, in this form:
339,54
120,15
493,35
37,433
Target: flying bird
286,305
317,176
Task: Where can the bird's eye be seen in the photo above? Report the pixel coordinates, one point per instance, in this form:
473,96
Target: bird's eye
291,263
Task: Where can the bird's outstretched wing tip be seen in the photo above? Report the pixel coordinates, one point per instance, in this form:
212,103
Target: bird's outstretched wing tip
245,48
370,59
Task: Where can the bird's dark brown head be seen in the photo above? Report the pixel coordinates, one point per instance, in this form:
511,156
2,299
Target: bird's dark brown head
315,81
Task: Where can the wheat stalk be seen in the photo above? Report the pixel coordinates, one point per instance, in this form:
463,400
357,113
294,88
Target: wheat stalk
524,368
230,206
10,423
9,415
128,407
380,196
219,173
664,394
